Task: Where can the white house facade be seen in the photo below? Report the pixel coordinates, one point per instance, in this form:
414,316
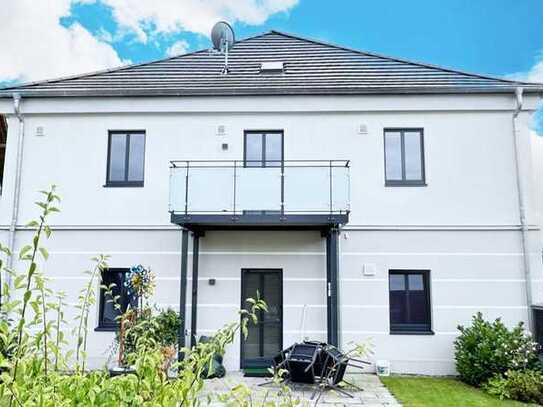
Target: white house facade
366,198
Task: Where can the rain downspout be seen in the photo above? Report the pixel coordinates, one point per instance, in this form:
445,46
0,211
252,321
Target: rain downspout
522,208
17,186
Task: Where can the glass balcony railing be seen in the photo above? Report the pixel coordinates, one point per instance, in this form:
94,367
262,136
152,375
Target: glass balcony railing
238,187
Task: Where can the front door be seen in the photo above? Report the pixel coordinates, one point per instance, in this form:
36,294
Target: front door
265,339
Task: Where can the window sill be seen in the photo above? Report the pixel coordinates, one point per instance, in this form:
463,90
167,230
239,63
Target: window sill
430,332
106,329
124,185
406,184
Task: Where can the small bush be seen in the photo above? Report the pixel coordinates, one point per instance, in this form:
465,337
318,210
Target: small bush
526,385
161,329
168,322
487,349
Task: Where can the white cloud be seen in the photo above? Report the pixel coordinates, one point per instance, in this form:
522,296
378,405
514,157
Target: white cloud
178,48
198,16
34,45
535,74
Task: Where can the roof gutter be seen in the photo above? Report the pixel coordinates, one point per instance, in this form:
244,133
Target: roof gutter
519,95
17,185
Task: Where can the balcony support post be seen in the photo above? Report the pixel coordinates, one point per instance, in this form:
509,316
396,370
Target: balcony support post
183,292
332,271
194,297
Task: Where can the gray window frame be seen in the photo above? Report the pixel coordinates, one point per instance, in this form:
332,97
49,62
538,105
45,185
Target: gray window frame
126,182
411,328
405,182
264,162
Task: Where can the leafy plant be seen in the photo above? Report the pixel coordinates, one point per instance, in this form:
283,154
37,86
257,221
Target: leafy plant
526,385
8,342
29,282
86,299
60,340
162,328
33,364
168,322
486,349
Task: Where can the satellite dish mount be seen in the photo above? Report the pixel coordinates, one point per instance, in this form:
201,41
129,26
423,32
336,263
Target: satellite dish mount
222,37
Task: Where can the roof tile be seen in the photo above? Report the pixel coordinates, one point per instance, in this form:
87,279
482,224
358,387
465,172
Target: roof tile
310,67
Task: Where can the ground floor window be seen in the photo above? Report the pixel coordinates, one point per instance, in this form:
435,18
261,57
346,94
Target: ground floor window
108,313
409,294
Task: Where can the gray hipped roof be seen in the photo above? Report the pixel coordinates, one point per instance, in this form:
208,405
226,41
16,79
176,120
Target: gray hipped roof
310,67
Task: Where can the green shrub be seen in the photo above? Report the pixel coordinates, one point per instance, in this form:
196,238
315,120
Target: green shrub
168,323
486,349
161,329
526,385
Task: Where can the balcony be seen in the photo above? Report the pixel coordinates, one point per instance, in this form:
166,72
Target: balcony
248,195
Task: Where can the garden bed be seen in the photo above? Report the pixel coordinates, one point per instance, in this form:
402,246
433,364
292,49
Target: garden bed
443,392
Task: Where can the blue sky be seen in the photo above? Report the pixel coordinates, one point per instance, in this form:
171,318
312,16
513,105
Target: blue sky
496,37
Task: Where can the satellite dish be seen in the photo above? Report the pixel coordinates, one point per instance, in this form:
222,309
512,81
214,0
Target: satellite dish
223,38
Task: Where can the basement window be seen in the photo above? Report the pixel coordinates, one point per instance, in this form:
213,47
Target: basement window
3,142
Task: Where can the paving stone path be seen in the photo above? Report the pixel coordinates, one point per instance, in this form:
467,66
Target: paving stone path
373,394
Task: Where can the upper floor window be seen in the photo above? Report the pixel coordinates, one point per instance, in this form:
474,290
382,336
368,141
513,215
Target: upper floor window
108,313
126,158
404,157
263,148
409,295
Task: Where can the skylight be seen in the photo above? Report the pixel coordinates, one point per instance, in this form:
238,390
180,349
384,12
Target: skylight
271,67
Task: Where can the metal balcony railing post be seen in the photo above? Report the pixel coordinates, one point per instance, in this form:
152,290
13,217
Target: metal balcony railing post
330,175
187,190
235,185
282,190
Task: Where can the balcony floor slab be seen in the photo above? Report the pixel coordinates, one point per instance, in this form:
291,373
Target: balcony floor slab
203,222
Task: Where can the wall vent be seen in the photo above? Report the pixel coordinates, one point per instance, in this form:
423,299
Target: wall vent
271,67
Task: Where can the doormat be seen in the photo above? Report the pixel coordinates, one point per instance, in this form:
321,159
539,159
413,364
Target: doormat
256,372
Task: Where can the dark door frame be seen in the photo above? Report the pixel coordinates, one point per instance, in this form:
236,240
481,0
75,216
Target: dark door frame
242,300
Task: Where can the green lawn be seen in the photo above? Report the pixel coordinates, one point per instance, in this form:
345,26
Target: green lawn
440,392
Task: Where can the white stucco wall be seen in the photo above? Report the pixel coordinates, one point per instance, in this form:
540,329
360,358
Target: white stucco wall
464,226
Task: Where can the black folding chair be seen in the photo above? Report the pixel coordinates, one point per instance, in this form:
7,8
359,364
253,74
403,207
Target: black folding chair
333,372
